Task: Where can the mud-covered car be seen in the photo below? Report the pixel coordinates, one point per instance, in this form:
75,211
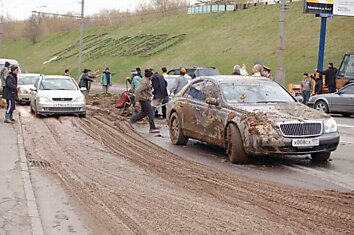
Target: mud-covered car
249,116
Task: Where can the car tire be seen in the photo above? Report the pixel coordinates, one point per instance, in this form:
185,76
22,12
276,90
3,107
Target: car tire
346,114
235,149
320,157
176,132
322,106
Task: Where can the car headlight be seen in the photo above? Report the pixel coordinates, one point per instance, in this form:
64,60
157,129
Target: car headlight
80,99
43,99
330,126
23,90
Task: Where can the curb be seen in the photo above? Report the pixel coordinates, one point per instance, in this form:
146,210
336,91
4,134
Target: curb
36,223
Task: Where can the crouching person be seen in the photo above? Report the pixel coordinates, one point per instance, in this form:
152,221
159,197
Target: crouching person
144,96
10,94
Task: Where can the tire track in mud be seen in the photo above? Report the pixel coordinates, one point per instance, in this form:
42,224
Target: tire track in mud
295,201
155,192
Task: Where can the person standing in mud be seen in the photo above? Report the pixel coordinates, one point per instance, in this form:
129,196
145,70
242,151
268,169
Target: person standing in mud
10,94
84,81
160,93
67,72
106,80
3,75
306,87
181,82
144,97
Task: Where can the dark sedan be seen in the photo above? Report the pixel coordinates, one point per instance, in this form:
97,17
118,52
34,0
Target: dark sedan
249,116
341,102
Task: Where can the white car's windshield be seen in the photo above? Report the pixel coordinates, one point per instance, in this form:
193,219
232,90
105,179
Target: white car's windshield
255,93
27,80
58,84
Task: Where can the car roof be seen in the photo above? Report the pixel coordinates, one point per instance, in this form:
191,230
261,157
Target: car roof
56,76
29,74
236,79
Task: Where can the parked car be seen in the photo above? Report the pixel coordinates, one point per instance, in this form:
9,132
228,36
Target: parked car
24,84
192,73
249,116
341,102
57,95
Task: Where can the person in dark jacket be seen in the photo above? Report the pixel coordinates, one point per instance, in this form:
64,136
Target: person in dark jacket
10,94
85,80
160,94
331,74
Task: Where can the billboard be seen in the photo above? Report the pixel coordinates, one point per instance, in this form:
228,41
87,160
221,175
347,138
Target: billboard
319,6
343,7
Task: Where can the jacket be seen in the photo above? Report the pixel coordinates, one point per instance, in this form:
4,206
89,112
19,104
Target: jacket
10,92
136,83
84,81
159,84
331,74
144,92
106,79
3,74
181,82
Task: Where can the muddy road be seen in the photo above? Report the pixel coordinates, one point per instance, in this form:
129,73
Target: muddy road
124,184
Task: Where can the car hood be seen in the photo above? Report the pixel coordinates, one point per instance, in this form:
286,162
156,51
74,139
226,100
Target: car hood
60,94
283,112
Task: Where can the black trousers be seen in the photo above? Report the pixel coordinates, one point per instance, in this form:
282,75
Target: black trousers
11,105
146,110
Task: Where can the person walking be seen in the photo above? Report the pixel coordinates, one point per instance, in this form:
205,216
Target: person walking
331,75
10,94
144,96
106,80
181,82
67,72
160,94
84,81
3,75
317,77
306,87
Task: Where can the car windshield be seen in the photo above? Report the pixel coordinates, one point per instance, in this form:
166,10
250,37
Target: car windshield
58,84
208,72
27,80
255,93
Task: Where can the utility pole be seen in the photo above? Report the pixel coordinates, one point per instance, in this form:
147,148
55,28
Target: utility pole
82,22
280,73
1,26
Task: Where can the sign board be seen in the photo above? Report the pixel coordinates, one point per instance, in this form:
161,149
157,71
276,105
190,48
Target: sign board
319,6
343,7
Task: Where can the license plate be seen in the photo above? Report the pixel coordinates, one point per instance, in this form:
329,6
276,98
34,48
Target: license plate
61,105
306,142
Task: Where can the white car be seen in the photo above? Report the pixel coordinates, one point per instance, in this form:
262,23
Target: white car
54,95
24,84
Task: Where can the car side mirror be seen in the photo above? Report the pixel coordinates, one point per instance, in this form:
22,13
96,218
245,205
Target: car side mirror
299,99
212,101
33,89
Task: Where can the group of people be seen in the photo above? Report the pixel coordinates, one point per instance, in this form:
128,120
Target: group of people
258,70
8,76
312,84
150,93
87,77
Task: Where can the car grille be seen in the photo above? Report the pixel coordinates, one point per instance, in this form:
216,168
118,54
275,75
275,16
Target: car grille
301,129
62,99
62,109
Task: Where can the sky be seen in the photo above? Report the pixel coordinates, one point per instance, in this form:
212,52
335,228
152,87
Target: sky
21,9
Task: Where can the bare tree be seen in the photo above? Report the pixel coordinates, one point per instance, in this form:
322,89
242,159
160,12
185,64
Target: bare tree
33,28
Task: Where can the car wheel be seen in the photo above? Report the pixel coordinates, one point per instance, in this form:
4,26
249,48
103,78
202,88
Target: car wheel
322,106
347,114
320,157
235,149
176,132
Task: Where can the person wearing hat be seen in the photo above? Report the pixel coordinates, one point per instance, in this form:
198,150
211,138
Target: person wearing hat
307,85
10,94
3,75
144,96
266,72
181,82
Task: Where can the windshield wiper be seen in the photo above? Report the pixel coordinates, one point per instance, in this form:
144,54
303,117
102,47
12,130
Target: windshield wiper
270,101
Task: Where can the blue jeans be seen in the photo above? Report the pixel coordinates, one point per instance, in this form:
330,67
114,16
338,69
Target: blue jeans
306,96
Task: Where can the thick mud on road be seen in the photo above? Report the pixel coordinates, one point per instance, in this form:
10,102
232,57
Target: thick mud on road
127,185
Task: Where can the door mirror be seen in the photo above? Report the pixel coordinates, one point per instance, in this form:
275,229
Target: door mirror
212,101
299,99
33,89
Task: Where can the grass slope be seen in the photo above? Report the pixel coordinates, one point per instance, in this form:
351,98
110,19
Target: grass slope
218,39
